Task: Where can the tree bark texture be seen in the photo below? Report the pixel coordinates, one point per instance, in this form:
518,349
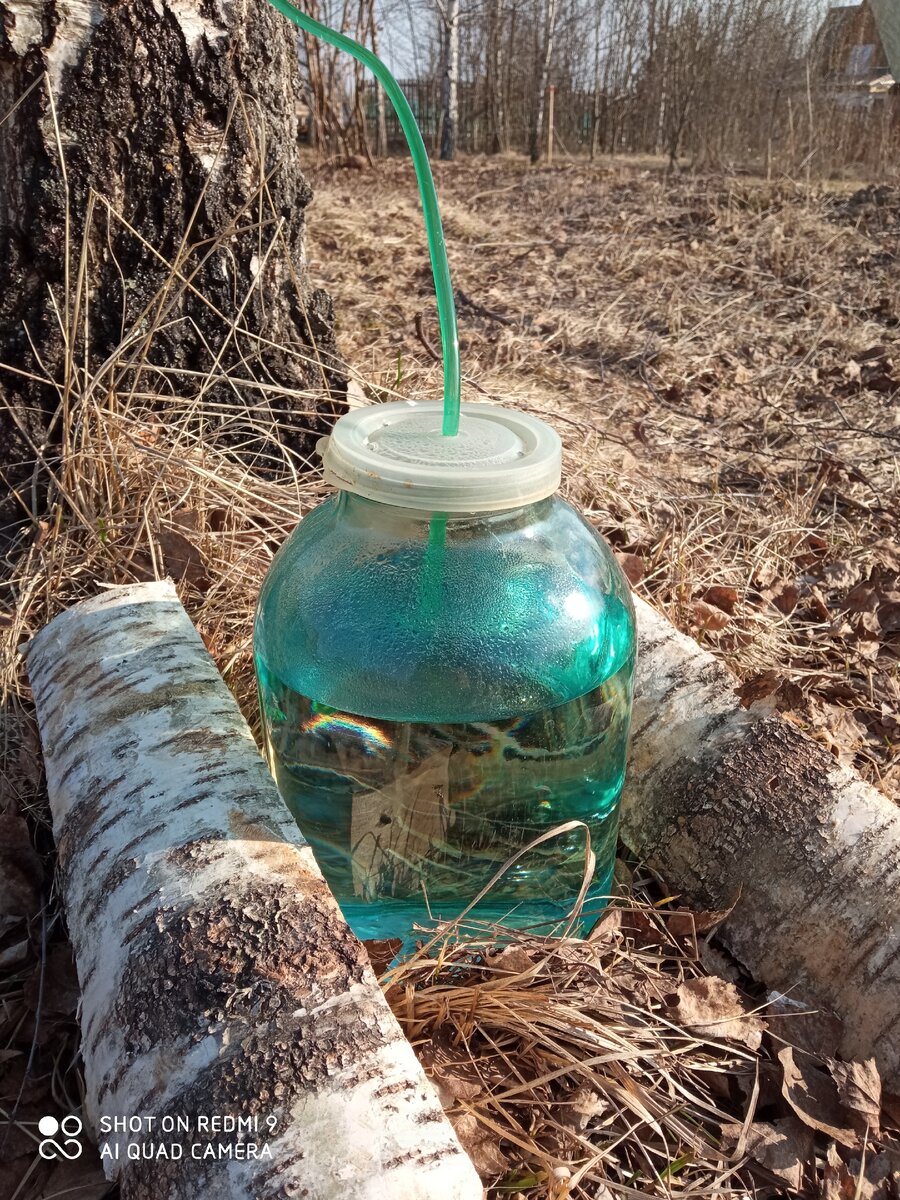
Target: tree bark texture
449,80
217,974
173,111
738,805
545,58
497,140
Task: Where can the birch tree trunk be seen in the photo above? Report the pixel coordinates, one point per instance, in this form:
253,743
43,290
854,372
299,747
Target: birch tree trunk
217,974
174,112
546,56
450,80
735,804
381,140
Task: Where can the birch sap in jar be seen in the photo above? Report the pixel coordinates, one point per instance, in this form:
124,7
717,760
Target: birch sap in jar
444,650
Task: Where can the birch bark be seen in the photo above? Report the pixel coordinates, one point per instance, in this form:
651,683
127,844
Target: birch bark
449,79
731,803
545,59
217,974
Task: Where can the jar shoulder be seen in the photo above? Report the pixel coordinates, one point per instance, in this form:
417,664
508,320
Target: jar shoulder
531,605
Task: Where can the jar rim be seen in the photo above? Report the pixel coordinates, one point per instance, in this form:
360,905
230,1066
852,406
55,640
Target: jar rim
396,453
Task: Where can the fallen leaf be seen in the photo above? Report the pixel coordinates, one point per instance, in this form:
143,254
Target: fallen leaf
813,1096
837,1182
859,1089
840,576
889,615
783,594
887,553
790,695
580,1108
890,1109
187,519
632,923
454,1075
480,1144
765,574
751,691
381,951
782,1147
816,602
721,597
632,566
15,954
710,1007
708,617
838,728
818,1031
512,960
866,627
864,597
182,559
685,923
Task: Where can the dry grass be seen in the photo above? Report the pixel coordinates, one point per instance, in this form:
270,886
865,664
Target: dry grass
722,359
564,1063
683,381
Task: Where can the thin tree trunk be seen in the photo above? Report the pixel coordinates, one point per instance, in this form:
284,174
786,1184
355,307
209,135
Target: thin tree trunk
546,56
381,141
174,114
595,108
497,143
450,81
217,974
739,806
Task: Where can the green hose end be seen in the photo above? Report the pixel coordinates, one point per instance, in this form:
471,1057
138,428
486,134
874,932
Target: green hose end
436,246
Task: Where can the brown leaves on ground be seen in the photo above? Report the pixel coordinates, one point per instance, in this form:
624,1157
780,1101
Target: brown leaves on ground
39,1073
781,1147
619,1061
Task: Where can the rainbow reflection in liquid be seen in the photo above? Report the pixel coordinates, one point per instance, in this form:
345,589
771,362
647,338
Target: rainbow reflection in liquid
409,820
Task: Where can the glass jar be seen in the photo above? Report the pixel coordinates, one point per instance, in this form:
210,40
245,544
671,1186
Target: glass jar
440,688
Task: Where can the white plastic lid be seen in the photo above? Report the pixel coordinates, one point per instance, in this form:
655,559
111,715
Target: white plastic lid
396,453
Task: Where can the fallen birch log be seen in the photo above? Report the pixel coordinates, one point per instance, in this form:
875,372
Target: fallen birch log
217,975
730,802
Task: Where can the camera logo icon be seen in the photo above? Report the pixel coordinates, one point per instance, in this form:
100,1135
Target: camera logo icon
68,1146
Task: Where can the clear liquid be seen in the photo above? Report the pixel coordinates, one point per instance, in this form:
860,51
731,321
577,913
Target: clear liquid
410,820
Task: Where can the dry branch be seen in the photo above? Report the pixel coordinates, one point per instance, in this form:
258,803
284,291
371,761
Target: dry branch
730,802
217,975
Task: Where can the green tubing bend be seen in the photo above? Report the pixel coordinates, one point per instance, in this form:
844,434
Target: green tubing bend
436,245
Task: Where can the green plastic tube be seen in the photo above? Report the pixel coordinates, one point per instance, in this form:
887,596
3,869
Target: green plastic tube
433,227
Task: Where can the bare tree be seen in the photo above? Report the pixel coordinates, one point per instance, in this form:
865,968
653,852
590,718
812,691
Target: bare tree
545,56
449,11
381,142
497,141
